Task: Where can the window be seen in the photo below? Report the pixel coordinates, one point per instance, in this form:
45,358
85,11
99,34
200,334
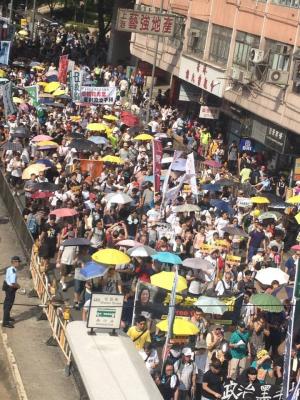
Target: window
220,44
296,74
243,44
197,37
287,3
279,55
176,40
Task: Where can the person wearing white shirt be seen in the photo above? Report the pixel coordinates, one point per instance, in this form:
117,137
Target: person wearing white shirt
150,357
221,223
225,286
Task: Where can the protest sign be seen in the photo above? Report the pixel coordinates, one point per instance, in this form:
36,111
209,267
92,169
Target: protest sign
98,95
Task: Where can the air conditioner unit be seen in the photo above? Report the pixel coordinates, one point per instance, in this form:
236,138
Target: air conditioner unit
256,56
236,74
277,77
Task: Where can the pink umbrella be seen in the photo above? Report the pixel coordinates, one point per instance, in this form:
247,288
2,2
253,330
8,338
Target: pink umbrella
212,163
41,138
296,247
64,212
41,195
129,243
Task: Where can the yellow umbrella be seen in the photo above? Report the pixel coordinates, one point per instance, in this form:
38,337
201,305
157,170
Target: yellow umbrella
51,87
181,327
75,118
297,218
96,127
165,280
110,257
38,67
59,92
33,169
45,143
22,32
42,83
294,200
143,137
111,118
112,159
17,100
2,73
260,200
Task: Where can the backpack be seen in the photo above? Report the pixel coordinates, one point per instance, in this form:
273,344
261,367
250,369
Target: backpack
32,224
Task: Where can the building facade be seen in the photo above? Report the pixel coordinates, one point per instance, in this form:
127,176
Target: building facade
242,56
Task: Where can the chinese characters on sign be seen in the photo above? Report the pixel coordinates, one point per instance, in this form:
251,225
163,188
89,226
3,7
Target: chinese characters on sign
209,112
142,22
275,139
75,79
98,95
105,311
202,75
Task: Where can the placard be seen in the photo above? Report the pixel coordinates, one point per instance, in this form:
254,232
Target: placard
98,95
296,176
208,112
105,311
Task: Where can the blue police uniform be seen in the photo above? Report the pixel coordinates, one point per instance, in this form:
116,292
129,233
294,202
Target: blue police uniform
10,293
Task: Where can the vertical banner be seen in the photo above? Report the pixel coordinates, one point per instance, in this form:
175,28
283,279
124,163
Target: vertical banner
157,157
33,93
75,84
177,155
93,167
190,170
63,69
4,52
9,106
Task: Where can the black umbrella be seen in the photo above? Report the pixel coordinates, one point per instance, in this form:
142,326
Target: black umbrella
46,186
21,132
76,242
83,145
13,146
233,230
227,182
75,135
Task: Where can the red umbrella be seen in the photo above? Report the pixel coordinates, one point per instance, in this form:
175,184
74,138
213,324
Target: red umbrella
41,195
64,212
212,163
296,247
130,119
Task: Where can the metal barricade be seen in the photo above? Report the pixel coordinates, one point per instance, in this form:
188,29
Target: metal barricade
54,314
16,216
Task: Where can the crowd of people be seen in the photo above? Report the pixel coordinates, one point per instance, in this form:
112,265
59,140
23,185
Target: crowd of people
245,243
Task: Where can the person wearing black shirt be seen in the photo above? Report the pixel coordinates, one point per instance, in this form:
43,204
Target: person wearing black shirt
168,383
48,240
212,386
249,378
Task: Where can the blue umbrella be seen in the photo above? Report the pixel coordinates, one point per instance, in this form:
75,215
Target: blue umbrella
168,258
212,187
46,162
221,205
93,270
150,178
98,139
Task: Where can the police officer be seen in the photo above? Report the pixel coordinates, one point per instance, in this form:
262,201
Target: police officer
10,286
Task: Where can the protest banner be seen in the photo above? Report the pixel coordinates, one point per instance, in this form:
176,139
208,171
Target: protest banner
93,167
63,69
98,95
75,80
9,106
4,52
33,94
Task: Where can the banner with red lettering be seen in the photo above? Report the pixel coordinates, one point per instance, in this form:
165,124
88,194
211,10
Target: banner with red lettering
63,69
157,157
93,167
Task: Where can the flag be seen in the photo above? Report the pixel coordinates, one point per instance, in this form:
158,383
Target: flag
190,170
157,157
9,106
173,193
63,69
93,167
33,93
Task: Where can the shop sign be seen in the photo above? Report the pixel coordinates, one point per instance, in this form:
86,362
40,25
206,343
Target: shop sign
296,176
105,311
202,75
246,145
275,139
158,24
209,112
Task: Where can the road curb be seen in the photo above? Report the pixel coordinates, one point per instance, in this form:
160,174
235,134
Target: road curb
13,367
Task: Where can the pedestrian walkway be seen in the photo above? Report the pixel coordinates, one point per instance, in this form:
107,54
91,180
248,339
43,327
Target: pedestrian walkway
41,368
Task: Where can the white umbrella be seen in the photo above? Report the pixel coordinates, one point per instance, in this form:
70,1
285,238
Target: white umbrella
268,275
198,263
118,198
141,251
211,305
186,208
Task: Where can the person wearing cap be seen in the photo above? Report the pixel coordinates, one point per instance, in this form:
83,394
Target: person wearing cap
212,386
186,370
239,349
10,286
